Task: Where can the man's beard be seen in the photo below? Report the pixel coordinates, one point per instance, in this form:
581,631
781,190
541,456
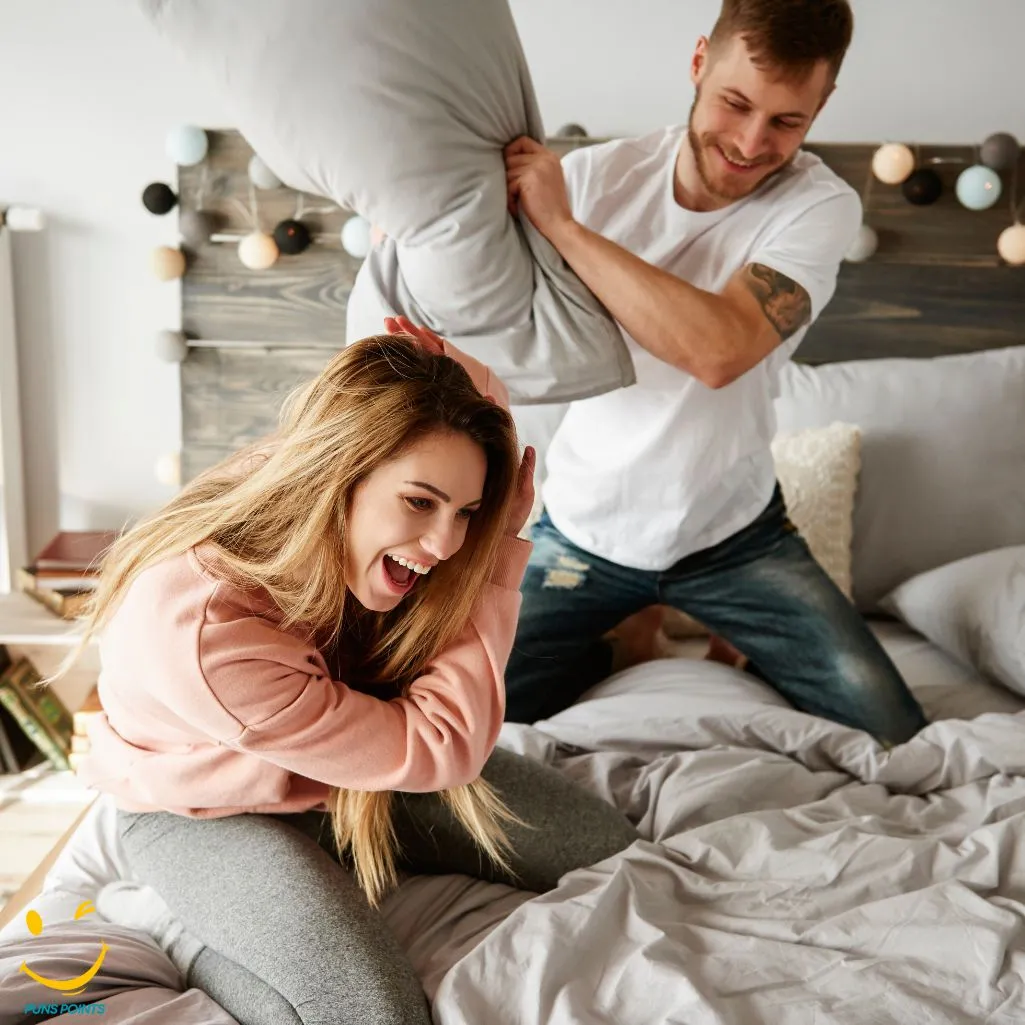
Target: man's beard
699,150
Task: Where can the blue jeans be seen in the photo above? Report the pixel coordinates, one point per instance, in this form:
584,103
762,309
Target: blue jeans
760,589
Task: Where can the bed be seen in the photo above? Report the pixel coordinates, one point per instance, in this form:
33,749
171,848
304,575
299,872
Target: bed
790,869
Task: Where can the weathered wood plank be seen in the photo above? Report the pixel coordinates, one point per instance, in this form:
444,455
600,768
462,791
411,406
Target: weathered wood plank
231,397
300,299
918,311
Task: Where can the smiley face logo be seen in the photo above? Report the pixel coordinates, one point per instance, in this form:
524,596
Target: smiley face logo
70,987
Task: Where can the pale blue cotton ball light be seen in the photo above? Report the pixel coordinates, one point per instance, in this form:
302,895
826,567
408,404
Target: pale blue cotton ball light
356,237
978,187
186,145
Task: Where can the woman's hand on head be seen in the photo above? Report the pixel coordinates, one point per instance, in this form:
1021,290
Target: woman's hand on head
424,335
519,511
484,380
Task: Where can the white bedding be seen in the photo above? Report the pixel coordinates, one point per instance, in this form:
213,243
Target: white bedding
792,870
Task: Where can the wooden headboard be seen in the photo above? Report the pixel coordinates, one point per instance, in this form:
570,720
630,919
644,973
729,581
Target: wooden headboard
936,286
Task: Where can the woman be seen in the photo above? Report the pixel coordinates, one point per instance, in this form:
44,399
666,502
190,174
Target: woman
372,541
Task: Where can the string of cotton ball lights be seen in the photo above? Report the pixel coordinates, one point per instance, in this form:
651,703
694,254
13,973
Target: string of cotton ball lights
978,187
188,145
185,145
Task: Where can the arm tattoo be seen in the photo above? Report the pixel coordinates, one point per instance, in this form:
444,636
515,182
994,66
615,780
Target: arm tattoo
784,302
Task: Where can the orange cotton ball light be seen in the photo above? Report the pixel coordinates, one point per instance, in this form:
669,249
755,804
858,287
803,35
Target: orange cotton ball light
167,263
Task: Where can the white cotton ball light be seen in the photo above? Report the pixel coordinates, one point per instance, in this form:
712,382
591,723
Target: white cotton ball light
171,346
23,218
258,251
168,469
1011,245
167,263
864,246
186,145
261,175
356,237
893,163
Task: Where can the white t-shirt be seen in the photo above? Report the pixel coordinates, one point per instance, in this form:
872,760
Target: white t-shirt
645,475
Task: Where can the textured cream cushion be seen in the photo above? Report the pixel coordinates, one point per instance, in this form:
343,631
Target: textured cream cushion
817,469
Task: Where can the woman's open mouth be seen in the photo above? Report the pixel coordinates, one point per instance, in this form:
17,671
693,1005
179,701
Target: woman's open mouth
400,575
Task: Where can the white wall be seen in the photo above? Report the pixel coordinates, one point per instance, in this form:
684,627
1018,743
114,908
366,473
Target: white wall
87,93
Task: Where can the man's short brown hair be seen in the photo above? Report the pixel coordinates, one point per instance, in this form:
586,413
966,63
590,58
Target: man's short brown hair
792,35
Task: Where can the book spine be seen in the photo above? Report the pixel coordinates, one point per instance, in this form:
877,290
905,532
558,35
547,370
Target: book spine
48,709
30,727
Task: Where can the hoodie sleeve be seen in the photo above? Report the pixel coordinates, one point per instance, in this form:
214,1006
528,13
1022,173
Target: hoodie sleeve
292,714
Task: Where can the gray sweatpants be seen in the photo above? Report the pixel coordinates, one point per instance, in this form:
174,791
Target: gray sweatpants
290,938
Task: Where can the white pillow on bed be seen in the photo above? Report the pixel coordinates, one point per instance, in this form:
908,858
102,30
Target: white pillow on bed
942,456
974,609
399,110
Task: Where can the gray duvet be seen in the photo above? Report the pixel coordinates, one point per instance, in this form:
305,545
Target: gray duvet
795,872
791,871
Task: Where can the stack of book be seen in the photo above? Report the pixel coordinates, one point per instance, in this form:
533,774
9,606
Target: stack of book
34,720
64,573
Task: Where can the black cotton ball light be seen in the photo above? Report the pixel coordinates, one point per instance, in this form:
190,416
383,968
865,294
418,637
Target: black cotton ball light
922,187
159,198
292,237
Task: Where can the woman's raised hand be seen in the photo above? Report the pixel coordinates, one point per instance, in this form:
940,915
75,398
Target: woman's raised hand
524,500
424,335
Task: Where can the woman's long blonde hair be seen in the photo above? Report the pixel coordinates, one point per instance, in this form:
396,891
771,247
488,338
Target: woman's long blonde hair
276,515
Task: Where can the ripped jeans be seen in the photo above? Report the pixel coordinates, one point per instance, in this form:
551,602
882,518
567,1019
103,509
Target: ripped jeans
760,589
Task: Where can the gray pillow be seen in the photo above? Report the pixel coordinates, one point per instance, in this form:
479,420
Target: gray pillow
942,456
974,609
399,110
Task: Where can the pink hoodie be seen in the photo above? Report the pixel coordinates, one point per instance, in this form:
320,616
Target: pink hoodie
211,708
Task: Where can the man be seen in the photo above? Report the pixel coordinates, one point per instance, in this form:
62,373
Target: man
714,246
